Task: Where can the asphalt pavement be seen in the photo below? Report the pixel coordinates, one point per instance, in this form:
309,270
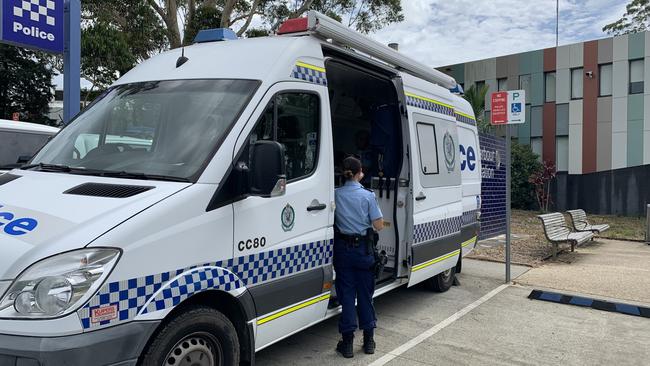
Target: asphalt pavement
480,322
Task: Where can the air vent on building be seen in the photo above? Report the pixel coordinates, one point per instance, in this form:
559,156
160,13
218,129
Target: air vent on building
107,190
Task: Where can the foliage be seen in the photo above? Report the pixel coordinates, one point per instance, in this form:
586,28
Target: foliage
524,164
636,19
25,84
476,98
363,15
542,182
98,41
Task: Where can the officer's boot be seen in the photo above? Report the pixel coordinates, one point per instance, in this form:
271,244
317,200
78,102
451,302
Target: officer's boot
369,341
345,346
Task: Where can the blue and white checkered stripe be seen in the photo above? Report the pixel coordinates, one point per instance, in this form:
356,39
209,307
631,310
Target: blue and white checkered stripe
469,217
436,229
136,296
311,75
464,119
418,102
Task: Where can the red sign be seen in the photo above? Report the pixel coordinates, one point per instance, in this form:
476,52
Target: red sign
16,116
499,113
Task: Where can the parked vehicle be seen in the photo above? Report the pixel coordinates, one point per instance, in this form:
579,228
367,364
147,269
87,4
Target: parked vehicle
189,212
19,141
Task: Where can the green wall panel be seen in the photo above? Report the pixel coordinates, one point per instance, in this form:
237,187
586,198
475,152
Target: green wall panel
523,131
636,45
536,89
635,130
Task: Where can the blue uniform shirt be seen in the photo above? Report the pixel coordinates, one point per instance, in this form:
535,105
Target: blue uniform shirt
356,209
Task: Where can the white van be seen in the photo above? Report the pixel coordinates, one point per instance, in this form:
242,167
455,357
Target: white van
188,214
19,141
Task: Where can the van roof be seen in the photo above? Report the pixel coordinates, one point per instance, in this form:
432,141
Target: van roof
27,127
260,58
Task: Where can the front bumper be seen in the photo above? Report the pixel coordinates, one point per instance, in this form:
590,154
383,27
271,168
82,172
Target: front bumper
117,346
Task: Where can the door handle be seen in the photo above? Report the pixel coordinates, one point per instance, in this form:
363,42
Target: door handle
421,197
316,207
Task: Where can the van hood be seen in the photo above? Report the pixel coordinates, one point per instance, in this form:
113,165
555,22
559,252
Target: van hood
40,217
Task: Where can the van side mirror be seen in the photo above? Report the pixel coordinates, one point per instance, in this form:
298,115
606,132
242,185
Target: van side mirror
267,169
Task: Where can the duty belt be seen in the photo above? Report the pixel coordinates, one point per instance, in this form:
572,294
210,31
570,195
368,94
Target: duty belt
352,240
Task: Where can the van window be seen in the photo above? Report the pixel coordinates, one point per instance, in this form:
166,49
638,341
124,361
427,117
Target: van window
15,144
292,119
428,148
162,129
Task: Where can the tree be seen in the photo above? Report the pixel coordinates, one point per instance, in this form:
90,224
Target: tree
25,84
476,98
364,15
525,163
636,19
542,181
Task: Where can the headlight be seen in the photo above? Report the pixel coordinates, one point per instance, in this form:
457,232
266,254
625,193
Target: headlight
58,285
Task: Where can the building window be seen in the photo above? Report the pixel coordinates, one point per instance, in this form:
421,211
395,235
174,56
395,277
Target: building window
524,84
576,83
480,85
549,86
502,84
636,76
605,77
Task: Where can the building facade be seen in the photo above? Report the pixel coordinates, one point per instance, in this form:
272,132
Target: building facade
588,111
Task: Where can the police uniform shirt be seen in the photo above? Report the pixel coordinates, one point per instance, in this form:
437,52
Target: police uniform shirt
356,209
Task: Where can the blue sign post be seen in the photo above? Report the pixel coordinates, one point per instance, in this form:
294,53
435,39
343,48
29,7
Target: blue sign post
52,26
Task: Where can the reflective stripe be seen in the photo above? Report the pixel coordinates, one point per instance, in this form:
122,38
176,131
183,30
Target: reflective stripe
428,100
468,242
434,261
292,309
310,66
465,115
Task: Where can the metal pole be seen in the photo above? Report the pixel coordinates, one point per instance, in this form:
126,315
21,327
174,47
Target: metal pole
508,159
557,23
72,60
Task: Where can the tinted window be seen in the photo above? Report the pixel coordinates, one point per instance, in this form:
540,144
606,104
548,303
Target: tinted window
636,76
576,83
292,119
605,77
18,144
549,86
428,148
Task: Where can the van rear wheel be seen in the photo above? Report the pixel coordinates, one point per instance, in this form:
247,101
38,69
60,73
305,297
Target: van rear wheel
442,281
200,336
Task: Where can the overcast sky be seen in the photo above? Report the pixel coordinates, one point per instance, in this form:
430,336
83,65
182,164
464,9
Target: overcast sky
443,32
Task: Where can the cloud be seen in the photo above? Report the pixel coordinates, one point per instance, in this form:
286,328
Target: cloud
439,32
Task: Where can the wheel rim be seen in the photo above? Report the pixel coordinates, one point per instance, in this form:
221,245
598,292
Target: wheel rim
446,275
197,349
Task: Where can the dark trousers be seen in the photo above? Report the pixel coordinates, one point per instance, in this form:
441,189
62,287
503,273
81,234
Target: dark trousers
354,280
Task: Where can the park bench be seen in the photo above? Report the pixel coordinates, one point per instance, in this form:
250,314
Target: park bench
557,231
580,222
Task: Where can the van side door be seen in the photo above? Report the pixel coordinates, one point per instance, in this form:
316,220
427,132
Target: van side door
437,195
284,240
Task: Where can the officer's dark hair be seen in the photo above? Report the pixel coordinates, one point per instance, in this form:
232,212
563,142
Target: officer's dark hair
351,167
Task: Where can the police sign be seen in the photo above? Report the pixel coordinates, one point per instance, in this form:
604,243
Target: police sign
37,24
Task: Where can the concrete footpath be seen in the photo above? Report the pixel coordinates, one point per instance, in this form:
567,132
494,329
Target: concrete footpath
603,268
417,327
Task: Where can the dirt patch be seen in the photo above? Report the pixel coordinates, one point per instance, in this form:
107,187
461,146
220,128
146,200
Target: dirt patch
530,247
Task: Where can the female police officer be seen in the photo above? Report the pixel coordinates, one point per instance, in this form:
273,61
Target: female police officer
356,213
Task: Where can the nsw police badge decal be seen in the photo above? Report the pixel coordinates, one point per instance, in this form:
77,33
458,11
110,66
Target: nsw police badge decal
288,218
449,147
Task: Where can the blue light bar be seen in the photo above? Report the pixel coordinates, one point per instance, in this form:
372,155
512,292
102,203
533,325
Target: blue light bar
457,90
215,35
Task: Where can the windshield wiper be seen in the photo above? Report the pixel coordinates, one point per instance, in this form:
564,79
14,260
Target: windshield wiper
49,167
143,176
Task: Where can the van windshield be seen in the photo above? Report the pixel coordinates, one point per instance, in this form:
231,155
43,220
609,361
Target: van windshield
150,129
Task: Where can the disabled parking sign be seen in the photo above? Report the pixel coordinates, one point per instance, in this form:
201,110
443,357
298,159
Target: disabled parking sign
508,107
37,24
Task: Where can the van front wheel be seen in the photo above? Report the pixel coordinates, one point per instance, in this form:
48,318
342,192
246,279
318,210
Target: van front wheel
200,336
442,281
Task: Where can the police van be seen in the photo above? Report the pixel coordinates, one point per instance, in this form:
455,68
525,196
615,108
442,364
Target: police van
19,141
187,216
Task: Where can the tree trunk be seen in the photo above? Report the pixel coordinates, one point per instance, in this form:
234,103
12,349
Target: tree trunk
228,8
171,20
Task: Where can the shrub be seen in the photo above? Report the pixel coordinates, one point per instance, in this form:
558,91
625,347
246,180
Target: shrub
524,164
